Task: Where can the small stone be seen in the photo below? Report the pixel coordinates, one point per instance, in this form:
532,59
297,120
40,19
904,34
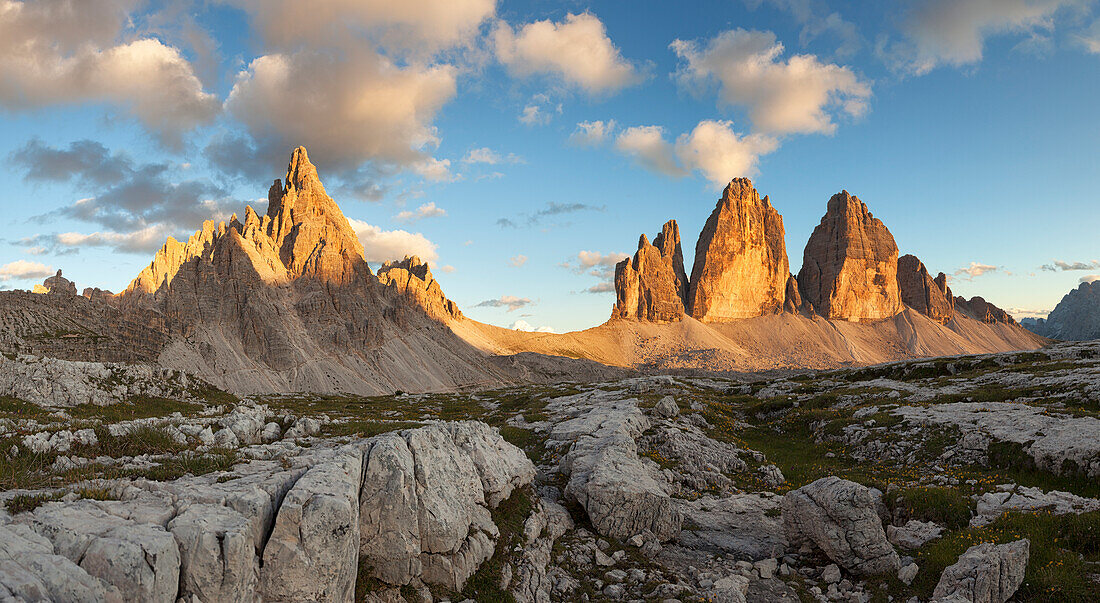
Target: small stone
603,560
831,573
766,568
636,540
907,573
666,408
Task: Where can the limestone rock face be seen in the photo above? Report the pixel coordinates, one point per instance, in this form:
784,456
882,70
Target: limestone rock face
985,573
1075,318
921,292
741,267
653,284
412,278
839,518
849,268
984,311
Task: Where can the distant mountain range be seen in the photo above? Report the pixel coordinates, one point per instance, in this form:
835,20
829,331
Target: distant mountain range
1075,318
286,302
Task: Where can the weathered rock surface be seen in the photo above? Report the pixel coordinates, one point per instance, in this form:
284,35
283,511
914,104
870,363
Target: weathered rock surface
741,267
850,265
530,581
991,505
287,530
839,518
653,285
985,573
923,293
1055,441
984,311
412,278
913,534
622,495
744,526
66,383
1075,318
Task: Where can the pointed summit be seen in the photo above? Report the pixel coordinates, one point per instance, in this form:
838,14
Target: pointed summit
741,266
309,230
850,265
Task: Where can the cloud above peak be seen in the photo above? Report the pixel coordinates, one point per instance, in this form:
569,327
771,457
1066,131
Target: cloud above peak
798,95
712,148
576,50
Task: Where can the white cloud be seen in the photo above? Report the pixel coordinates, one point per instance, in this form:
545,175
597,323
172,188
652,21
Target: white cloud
143,240
797,95
488,156
54,52
975,269
428,210
1063,266
712,148
523,325
1019,313
592,133
604,287
1090,38
595,259
648,146
511,302
346,108
817,21
539,111
517,261
406,25
953,32
1088,278
447,268
384,245
577,50
24,270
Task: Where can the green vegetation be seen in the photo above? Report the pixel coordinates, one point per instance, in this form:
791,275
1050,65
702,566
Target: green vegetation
1019,467
945,506
1062,546
144,439
22,503
509,517
365,428
136,408
15,408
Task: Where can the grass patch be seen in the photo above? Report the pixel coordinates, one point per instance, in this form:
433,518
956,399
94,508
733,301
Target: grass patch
190,463
1018,466
509,517
365,428
20,409
137,408
22,503
945,506
144,439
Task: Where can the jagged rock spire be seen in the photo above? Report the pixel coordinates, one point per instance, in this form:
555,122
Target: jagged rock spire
652,285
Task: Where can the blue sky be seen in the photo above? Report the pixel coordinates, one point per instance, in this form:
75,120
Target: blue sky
969,126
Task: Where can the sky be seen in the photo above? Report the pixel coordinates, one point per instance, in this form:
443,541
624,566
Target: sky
522,147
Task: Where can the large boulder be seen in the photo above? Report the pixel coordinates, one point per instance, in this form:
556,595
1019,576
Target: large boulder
653,285
985,573
839,518
927,295
313,551
218,559
622,495
30,571
850,266
741,267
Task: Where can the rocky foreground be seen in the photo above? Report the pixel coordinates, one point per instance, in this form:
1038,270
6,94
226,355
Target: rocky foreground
956,479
